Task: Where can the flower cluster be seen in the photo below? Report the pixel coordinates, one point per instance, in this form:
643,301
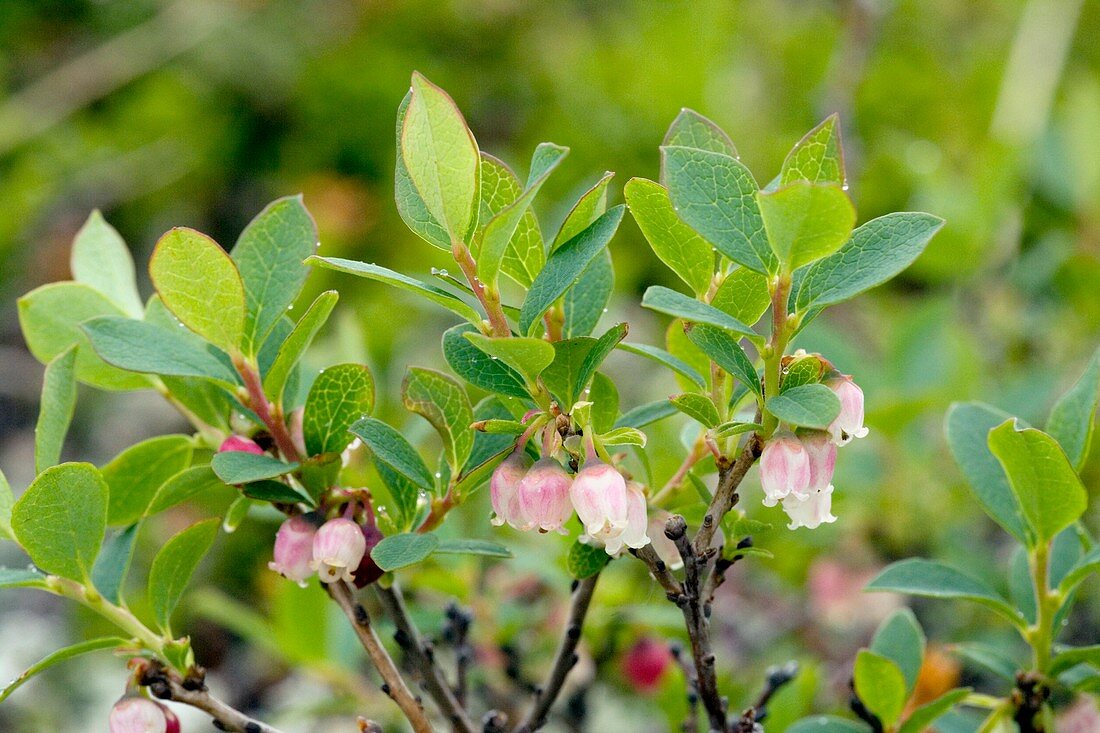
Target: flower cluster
136,714
544,496
335,551
796,470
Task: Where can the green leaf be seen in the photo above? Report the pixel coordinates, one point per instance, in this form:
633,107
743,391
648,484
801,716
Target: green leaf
716,196
623,436
1049,491
401,550
143,347
692,130
22,578
734,427
100,259
727,354
269,255
589,207
828,724
339,396
238,467
646,414
808,406
174,565
391,448
61,519
989,658
135,474
880,685
441,157
7,501
604,397
527,356
901,639
875,253
50,317
276,492
56,410
113,563
414,212
398,280
661,356
595,358
673,303
967,427
525,254
799,371
236,513
818,157
471,547
935,580
698,407
586,560
1070,657
1073,417
585,302
186,484
562,377
806,222
921,718
61,655
1087,565
565,265
744,295
294,346
199,283
500,230
674,242
477,367
441,401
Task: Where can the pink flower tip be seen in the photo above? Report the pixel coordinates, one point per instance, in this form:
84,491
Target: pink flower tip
294,549
237,443
338,548
137,714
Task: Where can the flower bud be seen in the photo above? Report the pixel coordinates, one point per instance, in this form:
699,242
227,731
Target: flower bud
294,549
504,490
136,714
338,548
368,570
543,496
240,444
822,454
645,664
599,495
849,423
812,511
784,468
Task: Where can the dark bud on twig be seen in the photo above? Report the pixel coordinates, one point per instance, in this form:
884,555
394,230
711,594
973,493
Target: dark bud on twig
494,721
369,726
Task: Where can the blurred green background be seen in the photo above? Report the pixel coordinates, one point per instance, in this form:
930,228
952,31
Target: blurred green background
197,113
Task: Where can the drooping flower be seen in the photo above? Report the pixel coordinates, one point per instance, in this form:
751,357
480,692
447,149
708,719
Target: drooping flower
543,495
822,454
849,423
294,549
645,664
600,497
338,548
784,469
237,443
812,511
136,714
504,490
634,534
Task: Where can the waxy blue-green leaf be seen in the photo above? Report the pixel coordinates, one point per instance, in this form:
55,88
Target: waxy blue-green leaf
527,356
295,344
818,157
270,256
113,563
698,407
525,254
692,130
1088,564
967,428
22,578
477,367
50,318
143,347
1068,657
441,157
716,196
240,467
935,580
674,242
591,205
485,548
806,222
174,565
61,655
808,406
727,353
441,401
744,295
200,284
1073,417
585,302
276,492
55,411
646,414
61,518
340,395
664,358
382,274
7,501
101,259
1049,491
137,473
900,638
414,212
565,265
880,686
391,448
876,252
401,550
678,305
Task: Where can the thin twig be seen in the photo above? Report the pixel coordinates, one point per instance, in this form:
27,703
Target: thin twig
394,685
660,571
690,723
725,494
564,659
258,402
456,633
422,655
166,684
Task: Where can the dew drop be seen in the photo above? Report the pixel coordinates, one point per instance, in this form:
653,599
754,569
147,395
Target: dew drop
438,474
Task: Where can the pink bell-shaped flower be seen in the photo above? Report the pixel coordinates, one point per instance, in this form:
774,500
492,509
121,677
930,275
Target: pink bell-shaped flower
849,423
543,496
294,549
822,454
633,534
338,548
240,444
812,511
599,495
784,469
504,491
136,714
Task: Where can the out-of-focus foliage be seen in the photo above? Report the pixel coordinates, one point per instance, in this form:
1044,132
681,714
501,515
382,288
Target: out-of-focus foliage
197,112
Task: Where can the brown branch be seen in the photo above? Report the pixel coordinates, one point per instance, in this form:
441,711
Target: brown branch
456,633
659,569
394,685
165,683
725,494
564,659
422,656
